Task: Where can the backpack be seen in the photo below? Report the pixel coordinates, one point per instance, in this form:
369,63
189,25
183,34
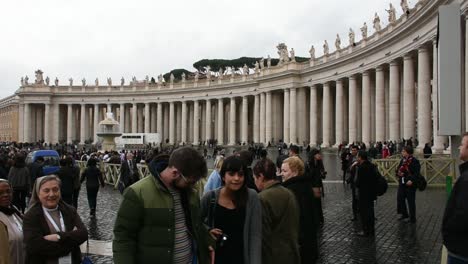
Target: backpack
421,182
382,184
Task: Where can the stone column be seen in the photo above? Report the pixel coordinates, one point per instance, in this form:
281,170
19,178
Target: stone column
256,114
262,117
313,116
339,113
438,140
352,112
196,122
134,118
122,117
83,124
140,124
96,122
394,102
208,121
408,98
245,117
27,123
47,121
220,121
424,98
21,123
171,123
69,123
184,122
268,121
366,108
466,76
326,115
159,127
233,123
286,116
380,105
292,117
147,118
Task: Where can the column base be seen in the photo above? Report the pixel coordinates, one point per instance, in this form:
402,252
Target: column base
337,145
325,145
437,149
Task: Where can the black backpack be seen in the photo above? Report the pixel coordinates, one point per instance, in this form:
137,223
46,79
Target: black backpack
421,182
382,184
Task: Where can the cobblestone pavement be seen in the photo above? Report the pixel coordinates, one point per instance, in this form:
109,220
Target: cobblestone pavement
394,242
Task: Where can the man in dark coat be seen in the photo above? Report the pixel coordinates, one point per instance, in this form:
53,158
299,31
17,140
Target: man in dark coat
366,182
454,225
36,168
352,165
128,172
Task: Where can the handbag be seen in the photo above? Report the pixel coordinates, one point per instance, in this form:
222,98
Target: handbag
86,259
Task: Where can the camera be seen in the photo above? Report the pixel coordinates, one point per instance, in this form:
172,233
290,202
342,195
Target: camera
222,239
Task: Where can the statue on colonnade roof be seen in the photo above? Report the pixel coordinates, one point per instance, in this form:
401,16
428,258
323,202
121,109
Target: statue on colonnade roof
262,63
326,49
364,31
26,80
56,81
283,53
22,81
39,78
377,25
268,61
391,14
183,77
47,80
109,81
404,6
338,42
352,37
71,81
312,52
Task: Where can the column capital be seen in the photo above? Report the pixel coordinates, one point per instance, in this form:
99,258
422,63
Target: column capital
423,48
352,77
366,73
339,81
394,63
379,68
407,56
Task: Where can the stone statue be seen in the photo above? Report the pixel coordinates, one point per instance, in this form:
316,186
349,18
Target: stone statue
404,6
293,54
262,63
233,71
47,80
208,72
391,14
220,73
26,80
96,82
71,81
172,78
338,42
283,53
268,61
122,81
245,69
39,78
377,25
196,76
257,67
83,81
364,30
134,80
56,81
312,52
146,79
109,81
183,77
351,37
22,81
326,49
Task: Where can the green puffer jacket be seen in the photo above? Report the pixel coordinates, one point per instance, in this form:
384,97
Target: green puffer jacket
145,223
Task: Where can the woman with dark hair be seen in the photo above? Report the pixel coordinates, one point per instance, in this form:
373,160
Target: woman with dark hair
233,214
11,227
280,217
53,230
93,177
20,181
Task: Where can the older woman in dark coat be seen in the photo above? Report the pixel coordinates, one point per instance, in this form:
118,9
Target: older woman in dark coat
53,231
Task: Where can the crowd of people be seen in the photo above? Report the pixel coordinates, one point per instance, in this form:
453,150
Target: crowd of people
248,212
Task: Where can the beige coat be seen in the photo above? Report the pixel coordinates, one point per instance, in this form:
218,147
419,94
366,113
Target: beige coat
4,247
11,229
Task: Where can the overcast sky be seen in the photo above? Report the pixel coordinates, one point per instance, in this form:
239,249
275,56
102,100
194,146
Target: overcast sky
115,38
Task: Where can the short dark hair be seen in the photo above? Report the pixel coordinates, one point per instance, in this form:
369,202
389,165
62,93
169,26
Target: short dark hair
233,163
354,147
189,162
294,149
265,167
408,149
246,156
363,154
91,162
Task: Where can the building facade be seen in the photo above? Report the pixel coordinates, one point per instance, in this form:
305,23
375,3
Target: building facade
9,119
382,87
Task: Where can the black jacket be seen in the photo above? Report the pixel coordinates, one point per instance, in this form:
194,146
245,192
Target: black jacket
455,222
67,176
366,181
93,177
35,227
129,175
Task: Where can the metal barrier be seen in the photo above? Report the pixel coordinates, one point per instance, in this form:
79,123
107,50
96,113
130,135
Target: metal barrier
435,170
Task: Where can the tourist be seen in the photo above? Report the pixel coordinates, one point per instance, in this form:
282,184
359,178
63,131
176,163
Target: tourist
11,227
427,151
294,179
20,181
247,157
454,225
128,172
156,221
280,217
366,183
352,165
67,177
35,168
407,171
214,181
344,156
93,177
316,171
53,231
76,181
234,215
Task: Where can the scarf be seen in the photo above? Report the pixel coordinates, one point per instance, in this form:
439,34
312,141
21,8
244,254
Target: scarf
404,168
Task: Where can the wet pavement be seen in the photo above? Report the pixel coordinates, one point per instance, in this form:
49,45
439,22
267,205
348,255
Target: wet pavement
394,242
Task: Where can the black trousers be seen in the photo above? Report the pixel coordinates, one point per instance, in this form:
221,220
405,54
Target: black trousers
76,194
354,202
68,198
367,216
404,194
19,198
92,196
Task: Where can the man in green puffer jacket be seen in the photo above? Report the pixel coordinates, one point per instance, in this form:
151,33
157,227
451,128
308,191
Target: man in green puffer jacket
159,218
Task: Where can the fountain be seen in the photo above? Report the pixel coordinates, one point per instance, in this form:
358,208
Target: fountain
109,129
